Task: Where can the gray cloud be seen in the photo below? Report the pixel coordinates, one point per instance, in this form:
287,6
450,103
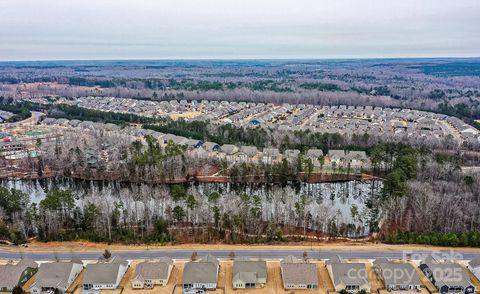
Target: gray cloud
111,29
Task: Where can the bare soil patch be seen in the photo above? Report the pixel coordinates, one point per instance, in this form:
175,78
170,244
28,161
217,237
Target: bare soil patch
81,246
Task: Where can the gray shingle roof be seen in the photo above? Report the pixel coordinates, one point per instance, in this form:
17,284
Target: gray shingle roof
336,154
335,259
229,149
292,152
210,258
27,262
314,153
474,262
398,273
291,259
101,273
246,277
250,151
349,274
442,273
199,272
154,269
242,267
358,155
271,151
299,273
10,274
53,275
203,271
104,272
381,260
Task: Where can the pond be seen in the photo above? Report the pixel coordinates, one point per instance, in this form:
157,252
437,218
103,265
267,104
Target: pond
325,201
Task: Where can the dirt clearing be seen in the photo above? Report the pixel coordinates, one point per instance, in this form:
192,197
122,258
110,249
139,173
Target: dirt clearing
81,246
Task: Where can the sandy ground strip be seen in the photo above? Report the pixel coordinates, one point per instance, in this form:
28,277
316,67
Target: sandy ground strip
81,246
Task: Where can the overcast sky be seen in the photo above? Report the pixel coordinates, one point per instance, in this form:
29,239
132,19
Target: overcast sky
162,29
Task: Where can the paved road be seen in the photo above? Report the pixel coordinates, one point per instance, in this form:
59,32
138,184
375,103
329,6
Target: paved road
272,254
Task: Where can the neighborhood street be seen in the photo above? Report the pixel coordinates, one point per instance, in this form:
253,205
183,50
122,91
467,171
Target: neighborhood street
267,254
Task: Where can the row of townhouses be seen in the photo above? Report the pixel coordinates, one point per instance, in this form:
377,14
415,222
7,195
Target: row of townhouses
202,275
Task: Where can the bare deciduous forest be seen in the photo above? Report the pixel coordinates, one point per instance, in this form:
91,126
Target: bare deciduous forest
450,86
424,194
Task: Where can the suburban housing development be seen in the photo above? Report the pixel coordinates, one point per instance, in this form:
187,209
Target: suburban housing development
447,276
342,119
151,273
348,276
243,274
240,147
248,273
56,276
397,276
105,274
52,131
5,115
298,273
200,276
17,274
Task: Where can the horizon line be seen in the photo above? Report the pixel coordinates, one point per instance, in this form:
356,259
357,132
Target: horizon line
239,59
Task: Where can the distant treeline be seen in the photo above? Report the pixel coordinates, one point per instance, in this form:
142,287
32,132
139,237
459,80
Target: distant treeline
194,130
454,239
258,137
463,111
458,68
223,134
20,110
74,112
321,86
183,84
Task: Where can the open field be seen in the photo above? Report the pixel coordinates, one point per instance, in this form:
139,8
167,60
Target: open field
185,115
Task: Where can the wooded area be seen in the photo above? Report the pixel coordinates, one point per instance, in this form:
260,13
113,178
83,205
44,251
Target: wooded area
424,196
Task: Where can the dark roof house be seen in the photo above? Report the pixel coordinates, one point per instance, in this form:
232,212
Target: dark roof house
447,277
16,275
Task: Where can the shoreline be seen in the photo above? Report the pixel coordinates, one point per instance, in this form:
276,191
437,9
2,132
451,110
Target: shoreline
313,178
